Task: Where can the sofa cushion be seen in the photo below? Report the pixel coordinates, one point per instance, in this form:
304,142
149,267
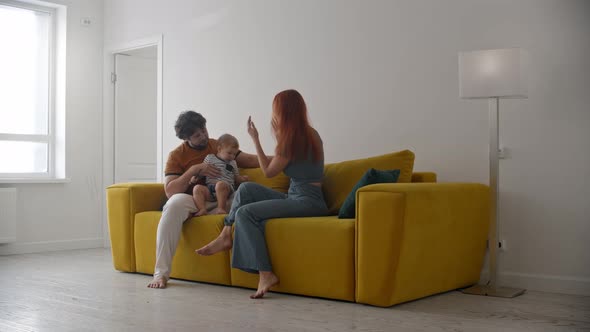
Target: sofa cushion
339,178
278,183
311,256
372,176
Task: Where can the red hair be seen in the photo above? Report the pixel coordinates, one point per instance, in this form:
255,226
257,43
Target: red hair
295,137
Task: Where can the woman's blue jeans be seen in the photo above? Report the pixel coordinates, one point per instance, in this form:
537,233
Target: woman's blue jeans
253,205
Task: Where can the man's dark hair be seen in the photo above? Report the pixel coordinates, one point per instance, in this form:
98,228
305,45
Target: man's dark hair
187,123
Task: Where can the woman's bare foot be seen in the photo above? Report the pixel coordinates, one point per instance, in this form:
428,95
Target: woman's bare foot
265,283
158,282
219,211
221,243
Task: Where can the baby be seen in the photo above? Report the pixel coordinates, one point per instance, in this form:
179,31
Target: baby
221,187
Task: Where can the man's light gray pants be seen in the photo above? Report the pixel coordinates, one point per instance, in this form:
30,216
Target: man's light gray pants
175,213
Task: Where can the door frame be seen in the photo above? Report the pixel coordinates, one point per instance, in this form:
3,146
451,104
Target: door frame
108,142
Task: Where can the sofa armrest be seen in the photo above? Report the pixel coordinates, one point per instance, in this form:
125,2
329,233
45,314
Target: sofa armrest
124,200
418,239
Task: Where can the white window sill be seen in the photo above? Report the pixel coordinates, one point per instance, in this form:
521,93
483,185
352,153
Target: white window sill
30,180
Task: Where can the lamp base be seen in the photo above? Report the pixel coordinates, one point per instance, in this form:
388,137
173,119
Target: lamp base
493,291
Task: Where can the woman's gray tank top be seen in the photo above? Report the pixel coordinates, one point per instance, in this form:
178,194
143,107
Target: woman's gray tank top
306,170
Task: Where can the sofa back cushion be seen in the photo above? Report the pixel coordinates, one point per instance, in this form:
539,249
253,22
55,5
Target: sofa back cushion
278,183
340,178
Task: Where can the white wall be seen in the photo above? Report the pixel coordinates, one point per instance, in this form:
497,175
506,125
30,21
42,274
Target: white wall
381,76
68,215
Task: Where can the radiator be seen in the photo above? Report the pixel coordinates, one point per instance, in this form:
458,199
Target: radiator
7,215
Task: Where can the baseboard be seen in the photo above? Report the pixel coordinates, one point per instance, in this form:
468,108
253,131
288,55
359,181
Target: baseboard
44,246
4,240
543,283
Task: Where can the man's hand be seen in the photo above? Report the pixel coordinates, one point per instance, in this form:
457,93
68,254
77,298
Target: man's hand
204,169
175,184
242,178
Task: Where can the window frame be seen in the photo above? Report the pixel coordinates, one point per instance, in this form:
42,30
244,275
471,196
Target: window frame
50,137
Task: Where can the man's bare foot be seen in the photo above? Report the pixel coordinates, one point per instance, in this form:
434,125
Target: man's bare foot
221,243
218,211
158,282
266,282
201,212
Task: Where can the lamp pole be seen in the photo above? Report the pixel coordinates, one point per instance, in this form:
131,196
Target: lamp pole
492,288
494,104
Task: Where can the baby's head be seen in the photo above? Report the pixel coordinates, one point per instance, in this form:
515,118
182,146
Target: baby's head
227,147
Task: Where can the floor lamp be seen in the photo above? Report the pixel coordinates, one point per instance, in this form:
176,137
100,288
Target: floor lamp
493,74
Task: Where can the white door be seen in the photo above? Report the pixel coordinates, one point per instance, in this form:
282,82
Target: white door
135,116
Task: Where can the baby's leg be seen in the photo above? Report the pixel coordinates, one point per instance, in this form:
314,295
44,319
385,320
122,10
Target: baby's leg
200,195
222,190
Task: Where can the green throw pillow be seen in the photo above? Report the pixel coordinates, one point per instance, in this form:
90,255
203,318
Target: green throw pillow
372,176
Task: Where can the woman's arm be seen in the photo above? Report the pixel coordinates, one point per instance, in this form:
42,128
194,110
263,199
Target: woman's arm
271,166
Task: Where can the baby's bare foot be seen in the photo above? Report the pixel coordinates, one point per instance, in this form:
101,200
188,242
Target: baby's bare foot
219,211
201,212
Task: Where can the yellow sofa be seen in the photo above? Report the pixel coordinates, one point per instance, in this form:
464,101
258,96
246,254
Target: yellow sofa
409,239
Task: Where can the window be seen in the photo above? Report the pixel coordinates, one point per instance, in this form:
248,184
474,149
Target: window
29,89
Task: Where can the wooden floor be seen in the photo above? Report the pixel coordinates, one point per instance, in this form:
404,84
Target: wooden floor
80,291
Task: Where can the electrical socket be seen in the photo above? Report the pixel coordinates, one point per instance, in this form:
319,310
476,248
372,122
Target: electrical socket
85,22
502,245
504,153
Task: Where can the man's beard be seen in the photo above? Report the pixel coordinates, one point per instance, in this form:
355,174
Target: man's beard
202,146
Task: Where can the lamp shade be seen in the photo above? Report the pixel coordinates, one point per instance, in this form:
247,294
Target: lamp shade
493,73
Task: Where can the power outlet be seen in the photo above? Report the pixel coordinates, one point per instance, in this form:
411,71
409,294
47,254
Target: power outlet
504,153
501,245
85,21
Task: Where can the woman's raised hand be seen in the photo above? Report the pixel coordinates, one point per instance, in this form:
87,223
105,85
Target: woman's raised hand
252,131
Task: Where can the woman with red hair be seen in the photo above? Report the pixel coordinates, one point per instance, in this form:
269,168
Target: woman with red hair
300,155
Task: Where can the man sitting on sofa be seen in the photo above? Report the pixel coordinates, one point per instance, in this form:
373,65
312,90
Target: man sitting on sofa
183,163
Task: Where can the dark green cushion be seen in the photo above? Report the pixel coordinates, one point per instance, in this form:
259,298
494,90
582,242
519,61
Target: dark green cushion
372,176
